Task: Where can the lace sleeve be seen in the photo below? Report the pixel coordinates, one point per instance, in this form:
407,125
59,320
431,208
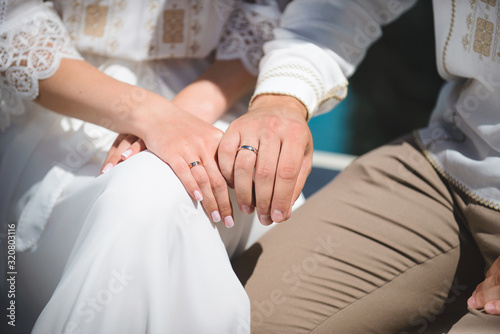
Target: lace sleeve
31,49
248,28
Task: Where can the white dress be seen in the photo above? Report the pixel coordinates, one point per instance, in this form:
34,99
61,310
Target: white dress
128,251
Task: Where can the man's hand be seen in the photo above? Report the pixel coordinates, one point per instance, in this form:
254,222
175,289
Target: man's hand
272,179
487,294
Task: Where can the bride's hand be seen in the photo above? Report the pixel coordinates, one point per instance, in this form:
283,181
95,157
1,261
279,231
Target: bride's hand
123,148
181,139
186,139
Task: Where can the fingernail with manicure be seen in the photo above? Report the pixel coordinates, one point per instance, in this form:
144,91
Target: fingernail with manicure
266,220
278,216
198,196
229,222
107,168
126,154
216,216
246,209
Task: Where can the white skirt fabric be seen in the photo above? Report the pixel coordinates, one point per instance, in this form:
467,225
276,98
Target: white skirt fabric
124,252
131,252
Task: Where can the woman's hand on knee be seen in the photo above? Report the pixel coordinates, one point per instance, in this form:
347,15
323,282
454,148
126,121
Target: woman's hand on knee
189,146
487,294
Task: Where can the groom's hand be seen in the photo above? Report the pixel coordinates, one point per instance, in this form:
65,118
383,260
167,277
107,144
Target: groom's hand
487,294
271,179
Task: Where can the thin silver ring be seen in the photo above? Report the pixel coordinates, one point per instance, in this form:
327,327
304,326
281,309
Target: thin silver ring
249,148
196,163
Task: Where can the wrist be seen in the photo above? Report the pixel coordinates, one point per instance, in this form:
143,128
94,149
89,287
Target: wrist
151,112
285,102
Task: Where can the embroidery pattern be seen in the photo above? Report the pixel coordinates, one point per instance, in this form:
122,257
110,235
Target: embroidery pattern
96,17
308,76
490,2
195,27
100,23
450,32
483,37
173,26
483,33
3,10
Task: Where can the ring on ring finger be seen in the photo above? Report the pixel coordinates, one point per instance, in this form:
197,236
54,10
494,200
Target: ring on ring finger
196,163
249,148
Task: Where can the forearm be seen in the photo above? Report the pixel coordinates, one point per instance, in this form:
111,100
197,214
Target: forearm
80,90
216,90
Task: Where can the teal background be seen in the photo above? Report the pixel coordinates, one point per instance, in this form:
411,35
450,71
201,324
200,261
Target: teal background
392,92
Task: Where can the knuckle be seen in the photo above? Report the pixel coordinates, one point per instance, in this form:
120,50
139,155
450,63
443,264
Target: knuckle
210,206
179,167
273,122
268,133
130,138
264,172
262,205
219,185
280,204
287,173
203,181
225,148
225,209
115,157
242,164
479,298
496,278
244,199
217,136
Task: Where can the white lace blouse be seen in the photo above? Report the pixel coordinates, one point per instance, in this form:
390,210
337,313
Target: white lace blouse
36,35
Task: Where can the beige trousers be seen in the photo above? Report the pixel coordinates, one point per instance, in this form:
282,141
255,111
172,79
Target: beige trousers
387,247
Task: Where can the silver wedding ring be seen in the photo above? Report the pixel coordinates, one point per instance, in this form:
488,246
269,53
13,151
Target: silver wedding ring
249,148
196,163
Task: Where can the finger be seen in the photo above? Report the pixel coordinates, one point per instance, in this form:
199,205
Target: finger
135,148
265,173
304,172
209,203
495,268
489,282
480,299
112,150
221,193
289,165
244,166
493,307
226,155
114,158
181,169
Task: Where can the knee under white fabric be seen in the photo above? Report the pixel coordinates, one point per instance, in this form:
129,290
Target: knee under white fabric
135,254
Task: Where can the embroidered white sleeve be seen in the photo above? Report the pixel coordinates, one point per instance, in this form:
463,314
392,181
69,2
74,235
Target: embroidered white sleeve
319,44
31,49
248,28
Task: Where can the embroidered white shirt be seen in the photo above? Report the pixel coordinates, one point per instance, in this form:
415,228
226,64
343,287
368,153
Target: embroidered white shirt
320,43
